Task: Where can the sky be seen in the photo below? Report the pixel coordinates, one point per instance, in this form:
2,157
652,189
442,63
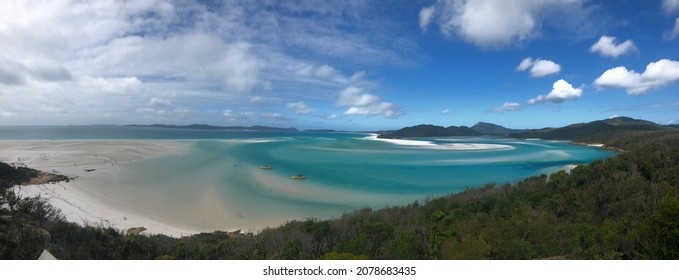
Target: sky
348,65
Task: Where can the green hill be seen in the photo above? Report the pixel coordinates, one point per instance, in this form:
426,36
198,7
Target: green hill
493,129
592,130
427,130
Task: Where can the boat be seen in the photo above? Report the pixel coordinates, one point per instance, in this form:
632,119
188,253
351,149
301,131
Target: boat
266,167
298,176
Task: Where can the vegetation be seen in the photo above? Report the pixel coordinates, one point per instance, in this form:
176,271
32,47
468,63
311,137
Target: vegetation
602,129
621,208
427,130
494,129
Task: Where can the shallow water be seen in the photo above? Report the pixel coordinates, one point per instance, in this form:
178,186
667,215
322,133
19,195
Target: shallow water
217,184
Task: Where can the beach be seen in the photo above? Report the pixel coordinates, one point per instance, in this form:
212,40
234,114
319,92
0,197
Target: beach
92,165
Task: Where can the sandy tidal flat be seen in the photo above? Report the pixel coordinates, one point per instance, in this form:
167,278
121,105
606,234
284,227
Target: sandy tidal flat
94,165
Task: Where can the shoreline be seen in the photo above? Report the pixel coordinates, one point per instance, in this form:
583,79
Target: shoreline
87,163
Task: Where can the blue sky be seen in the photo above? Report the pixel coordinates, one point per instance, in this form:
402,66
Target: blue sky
356,65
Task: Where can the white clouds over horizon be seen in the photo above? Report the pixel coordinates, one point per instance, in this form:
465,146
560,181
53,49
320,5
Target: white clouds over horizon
657,74
606,46
70,62
561,91
539,67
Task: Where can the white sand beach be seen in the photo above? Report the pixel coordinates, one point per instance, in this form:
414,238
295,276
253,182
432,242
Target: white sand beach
432,145
91,163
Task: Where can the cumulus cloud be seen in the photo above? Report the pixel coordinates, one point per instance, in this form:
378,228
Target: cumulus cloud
507,106
561,91
426,15
539,67
300,107
491,23
657,74
606,46
361,102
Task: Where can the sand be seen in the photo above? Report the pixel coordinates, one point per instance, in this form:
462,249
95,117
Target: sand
92,163
432,145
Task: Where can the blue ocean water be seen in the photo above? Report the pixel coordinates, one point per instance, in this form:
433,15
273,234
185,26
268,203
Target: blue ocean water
344,171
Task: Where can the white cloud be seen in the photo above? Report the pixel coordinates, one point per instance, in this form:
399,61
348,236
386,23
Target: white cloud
492,23
525,64
361,102
182,111
300,107
674,32
606,46
670,5
277,117
332,117
228,113
109,84
561,91
507,106
325,71
426,15
539,67
158,102
74,62
445,111
657,74
5,114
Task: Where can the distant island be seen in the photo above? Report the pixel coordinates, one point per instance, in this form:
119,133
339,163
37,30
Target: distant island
574,132
214,127
428,130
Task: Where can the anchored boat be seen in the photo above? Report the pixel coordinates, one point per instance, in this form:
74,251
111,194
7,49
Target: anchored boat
298,176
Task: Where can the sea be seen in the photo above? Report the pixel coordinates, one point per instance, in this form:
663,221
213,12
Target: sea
343,172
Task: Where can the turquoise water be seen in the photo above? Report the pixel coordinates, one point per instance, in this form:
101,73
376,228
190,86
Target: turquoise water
345,171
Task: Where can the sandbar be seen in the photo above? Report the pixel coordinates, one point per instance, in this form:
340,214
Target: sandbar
92,163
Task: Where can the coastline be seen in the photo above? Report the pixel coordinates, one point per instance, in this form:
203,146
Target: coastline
92,163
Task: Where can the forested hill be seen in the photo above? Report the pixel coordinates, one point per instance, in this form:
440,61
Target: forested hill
602,129
427,130
625,207
494,129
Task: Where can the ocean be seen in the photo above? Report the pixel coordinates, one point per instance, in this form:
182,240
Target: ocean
344,171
